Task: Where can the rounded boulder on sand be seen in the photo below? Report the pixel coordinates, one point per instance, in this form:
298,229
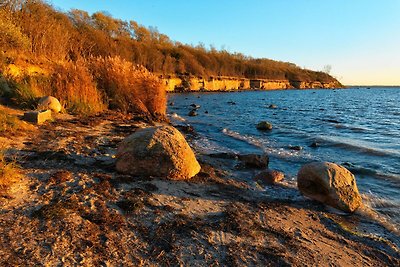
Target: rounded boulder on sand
159,151
330,184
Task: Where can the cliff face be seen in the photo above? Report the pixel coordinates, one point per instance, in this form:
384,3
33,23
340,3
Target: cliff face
187,83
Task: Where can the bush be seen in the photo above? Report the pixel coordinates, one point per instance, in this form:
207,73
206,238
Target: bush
128,87
11,35
73,85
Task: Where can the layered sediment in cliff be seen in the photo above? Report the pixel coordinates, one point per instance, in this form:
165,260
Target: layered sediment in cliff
222,83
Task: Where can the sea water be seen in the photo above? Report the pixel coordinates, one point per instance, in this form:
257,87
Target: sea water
358,128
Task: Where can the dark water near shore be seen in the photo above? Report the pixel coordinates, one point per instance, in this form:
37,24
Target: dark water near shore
359,128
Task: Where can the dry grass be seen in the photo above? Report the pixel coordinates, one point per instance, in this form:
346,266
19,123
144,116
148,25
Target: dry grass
10,123
86,86
129,87
73,84
9,172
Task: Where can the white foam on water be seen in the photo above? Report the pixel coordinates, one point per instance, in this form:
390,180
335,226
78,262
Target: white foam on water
175,116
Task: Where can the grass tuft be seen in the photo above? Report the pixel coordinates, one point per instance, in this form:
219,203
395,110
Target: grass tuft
9,172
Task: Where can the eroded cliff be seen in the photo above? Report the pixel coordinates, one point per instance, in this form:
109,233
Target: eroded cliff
222,83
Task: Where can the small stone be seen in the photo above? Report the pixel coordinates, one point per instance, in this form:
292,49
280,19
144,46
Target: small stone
269,177
195,106
297,148
254,160
264,126
192,113
314,145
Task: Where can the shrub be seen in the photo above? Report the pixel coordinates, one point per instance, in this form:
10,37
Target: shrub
129,87
22,94
73,85
11,35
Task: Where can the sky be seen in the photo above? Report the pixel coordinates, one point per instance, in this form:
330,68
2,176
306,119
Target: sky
359,39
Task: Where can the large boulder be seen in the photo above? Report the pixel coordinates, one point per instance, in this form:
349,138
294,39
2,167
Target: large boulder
159,151
330,184
49,102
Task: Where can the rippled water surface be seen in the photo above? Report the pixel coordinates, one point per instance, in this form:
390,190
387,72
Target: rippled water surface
359,128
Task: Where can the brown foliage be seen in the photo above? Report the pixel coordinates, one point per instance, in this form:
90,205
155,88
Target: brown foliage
67,40
128,87
73,84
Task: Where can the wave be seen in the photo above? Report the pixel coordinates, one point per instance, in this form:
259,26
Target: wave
330,141
245,138
373,172
270,148
352,128
381,209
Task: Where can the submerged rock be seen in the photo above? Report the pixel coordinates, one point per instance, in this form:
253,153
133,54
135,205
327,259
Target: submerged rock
195,106
314,145
49,102
268,177
264,126
187,129
254,160
192,113
159,151
272,106
297,148
330,184
224,155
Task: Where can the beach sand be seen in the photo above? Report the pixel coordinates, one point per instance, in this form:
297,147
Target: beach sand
72,208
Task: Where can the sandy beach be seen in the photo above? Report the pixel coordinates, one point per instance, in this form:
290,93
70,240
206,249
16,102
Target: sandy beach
72,208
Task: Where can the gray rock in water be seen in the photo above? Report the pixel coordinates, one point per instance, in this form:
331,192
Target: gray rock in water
195,106
264,126
272,106
297,148
314,145
254,160
268,177
330,184
192,113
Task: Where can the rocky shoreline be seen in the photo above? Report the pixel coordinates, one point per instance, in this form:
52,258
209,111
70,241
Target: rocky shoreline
73,208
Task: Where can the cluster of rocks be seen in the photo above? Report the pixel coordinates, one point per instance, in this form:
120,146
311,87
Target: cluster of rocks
43,113
162,151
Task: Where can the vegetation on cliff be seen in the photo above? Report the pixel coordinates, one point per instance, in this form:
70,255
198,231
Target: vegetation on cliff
89,61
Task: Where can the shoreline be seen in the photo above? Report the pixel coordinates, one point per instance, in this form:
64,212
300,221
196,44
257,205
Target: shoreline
253,90
74,208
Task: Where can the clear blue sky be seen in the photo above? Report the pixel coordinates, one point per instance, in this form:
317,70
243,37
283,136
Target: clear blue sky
360,39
